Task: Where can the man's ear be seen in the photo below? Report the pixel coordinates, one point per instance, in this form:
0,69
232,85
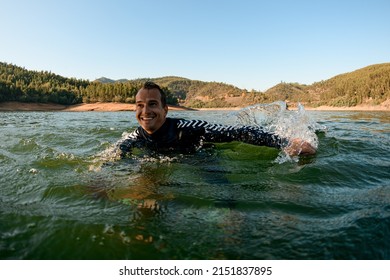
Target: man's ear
166,110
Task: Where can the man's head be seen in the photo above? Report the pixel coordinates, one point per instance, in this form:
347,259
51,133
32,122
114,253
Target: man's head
151,107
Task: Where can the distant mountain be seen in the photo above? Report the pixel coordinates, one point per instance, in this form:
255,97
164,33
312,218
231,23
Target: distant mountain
368,85
104,80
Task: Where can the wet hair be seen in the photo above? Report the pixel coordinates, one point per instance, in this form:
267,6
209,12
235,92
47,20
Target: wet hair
151,85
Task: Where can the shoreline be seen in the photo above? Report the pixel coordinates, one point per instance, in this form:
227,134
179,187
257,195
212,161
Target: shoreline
117,107
14,106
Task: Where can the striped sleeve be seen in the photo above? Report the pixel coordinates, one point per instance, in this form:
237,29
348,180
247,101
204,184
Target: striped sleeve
218,133
126,144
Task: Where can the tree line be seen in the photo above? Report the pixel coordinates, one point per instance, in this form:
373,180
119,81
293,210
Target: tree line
19,84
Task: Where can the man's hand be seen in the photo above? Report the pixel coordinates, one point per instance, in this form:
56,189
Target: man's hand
298,146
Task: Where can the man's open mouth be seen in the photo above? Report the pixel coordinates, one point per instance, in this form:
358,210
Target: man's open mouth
147,118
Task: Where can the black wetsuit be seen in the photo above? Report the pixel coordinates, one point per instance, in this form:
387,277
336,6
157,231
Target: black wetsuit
188,135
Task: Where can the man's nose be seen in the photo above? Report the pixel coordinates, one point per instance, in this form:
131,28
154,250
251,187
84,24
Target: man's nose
146,109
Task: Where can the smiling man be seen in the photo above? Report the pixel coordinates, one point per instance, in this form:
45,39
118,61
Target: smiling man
151,108
161,134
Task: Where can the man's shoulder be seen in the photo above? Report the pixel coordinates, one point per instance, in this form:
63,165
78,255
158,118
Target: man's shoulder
174,120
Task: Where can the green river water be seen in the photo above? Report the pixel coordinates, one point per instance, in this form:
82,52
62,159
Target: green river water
60,198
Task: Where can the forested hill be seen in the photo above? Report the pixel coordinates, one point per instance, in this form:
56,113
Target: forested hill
369,85
19,84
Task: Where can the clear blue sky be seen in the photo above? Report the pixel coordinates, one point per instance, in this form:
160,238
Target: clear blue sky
247,43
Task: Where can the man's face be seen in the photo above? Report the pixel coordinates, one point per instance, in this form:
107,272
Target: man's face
150,112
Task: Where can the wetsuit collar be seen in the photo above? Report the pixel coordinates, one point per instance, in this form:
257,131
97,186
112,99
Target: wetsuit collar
159,133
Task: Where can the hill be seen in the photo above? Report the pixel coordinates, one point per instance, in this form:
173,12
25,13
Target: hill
19,84
366,86
105,80
369,85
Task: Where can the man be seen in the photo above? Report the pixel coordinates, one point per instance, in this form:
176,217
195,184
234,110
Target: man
161,134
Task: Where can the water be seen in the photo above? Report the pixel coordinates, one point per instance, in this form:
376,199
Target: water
61,199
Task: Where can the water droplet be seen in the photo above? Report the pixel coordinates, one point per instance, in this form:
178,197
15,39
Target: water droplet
108,229
33,171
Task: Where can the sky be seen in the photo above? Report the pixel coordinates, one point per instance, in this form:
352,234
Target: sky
251,44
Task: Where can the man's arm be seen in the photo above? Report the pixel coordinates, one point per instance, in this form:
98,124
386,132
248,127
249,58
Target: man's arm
126,145
218,133
251,135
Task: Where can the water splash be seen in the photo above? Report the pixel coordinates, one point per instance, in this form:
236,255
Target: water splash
113,154
288,124
260,114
